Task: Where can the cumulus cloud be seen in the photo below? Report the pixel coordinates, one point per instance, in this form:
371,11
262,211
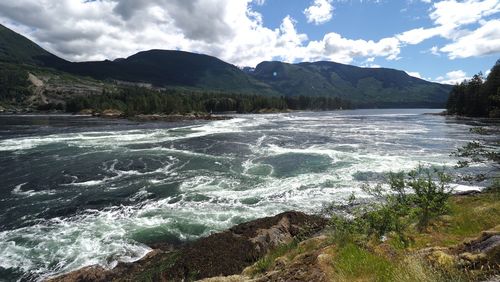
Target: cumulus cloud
452,20
453,77
228,29
320,12
483,41
232,30
337,48
414,74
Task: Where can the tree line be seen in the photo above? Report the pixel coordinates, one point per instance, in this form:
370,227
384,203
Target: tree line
136,100
13,83
477,97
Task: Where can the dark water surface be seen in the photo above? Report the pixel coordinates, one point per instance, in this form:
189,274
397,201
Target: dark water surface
77,191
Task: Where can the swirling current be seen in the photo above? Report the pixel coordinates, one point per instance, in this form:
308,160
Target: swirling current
78,191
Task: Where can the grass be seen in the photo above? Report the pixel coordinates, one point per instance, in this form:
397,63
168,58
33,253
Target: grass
351,260
468,216
265,263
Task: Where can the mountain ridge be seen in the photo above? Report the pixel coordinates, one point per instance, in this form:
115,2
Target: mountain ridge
365,87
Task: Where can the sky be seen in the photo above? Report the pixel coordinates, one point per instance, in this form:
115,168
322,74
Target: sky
444,41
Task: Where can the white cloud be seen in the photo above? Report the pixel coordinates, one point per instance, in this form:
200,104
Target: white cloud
320,12
227,29
452,13
483,41
452,19
435,51
414,74
96,30
416,36
453,77
337,48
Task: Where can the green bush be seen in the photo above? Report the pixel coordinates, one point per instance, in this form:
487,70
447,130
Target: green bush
415,197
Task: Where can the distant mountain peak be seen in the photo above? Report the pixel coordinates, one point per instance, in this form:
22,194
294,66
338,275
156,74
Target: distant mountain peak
366,87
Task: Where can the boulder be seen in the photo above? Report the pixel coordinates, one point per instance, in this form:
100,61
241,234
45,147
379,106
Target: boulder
220,254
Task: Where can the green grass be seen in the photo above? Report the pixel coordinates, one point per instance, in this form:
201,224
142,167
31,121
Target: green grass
265,263
355,263
468,216
355,260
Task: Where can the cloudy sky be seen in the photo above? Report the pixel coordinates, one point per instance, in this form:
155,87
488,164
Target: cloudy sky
445,40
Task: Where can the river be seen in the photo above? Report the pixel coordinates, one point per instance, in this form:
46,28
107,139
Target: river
77,191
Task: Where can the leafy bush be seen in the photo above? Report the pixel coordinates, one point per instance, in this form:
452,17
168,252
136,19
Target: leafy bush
416,197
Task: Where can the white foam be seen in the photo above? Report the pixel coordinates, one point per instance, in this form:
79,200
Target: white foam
30,193
214,198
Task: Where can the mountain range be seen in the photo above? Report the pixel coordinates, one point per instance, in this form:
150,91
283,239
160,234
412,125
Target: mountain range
364,87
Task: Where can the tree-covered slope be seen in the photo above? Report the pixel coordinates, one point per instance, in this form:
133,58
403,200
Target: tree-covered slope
15,48
366,87
477,97
171,68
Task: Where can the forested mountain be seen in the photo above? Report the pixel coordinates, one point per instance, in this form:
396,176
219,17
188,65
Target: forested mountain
364,87
477,97
15,48
163,68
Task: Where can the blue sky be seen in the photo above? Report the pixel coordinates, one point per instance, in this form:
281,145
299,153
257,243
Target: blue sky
444,40
374,20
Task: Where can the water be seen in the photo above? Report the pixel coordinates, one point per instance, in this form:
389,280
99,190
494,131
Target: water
77,191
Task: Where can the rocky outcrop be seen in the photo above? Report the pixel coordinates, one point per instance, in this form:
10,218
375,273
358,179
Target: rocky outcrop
479,256
221,254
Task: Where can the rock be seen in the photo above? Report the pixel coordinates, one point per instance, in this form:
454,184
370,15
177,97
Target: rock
280,262
229,252
86,112
324,259
221,254
442,259
232,278
86,274
473,258
111,113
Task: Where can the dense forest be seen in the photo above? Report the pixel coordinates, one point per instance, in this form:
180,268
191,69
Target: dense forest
477,97
137,100
14,83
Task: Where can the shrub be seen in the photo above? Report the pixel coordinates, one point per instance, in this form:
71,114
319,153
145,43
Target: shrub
418,196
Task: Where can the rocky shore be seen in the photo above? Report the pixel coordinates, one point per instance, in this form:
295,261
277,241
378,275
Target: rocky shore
293,246
221,254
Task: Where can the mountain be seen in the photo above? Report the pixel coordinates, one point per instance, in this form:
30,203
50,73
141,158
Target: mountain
366,87
171,68
15,48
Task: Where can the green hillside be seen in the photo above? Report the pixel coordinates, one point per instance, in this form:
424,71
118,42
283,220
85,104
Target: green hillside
15,48
366,87
163,68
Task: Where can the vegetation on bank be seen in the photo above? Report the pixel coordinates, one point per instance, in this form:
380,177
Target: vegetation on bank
351,249
133,101
416,230
14,84
477,97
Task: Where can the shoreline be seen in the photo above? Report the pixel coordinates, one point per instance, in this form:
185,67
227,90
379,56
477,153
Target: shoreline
223,254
